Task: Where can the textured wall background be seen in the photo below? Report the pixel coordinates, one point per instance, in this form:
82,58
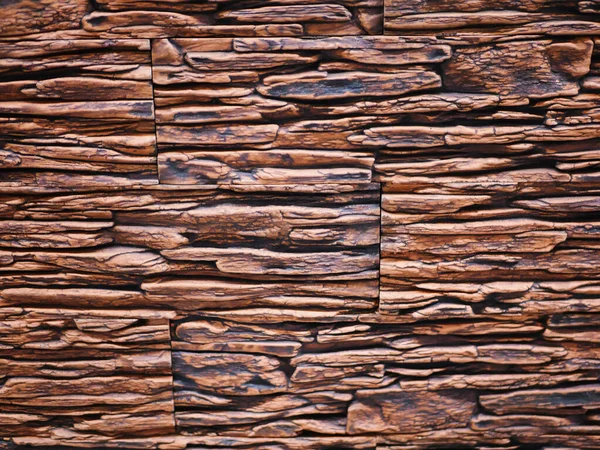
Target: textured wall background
296,225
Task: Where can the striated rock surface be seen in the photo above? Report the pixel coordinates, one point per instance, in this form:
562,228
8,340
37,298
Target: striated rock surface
300,225
76,113
255,111
188,18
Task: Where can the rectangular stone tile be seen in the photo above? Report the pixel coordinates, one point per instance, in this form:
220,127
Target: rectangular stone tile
91,375
288,250
68,19
76,113
467,250
283,110
493,213
489,224
492,236
264,379
492,17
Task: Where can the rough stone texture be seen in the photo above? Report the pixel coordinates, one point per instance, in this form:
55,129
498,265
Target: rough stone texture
44,19
277,110
88,375
186,250
75,113
251,225
493,18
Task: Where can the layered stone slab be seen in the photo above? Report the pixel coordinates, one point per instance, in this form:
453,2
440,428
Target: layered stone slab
69,19
282,110
489,223
90,375
493,17
76,113
285,110
263,252
403,383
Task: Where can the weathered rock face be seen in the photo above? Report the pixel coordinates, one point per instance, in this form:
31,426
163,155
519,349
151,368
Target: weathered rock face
185,251
397,411
534,69
269,225
69,108
99,374
278,111
188,18
491,17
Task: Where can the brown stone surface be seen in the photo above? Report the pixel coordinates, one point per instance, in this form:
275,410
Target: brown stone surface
262,110
76,113
48,19
299,225
494,18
